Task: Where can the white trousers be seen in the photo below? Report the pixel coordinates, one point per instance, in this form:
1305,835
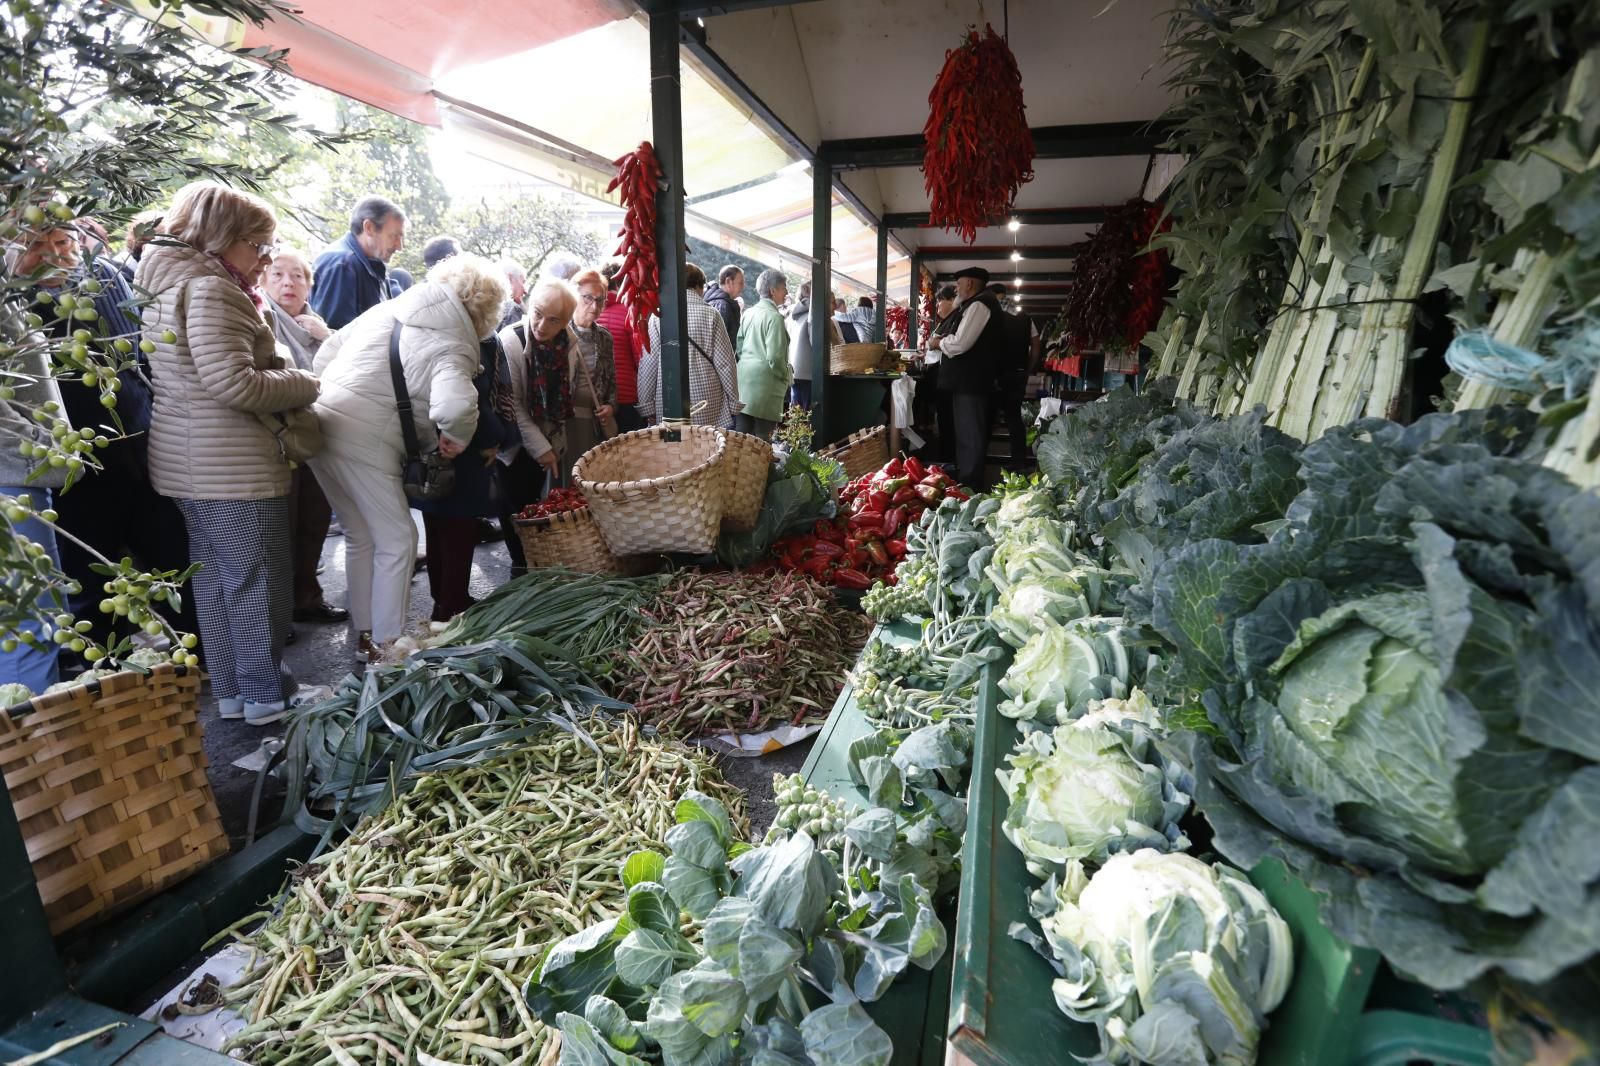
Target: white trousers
380,541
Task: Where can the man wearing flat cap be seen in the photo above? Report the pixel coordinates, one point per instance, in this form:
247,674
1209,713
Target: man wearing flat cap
970,355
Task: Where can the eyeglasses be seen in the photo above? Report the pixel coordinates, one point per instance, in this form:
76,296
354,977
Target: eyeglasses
596,300
265,251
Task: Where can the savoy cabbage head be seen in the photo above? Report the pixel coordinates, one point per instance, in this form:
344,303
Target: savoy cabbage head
1175,962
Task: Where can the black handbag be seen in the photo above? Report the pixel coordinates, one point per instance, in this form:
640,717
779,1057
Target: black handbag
424,477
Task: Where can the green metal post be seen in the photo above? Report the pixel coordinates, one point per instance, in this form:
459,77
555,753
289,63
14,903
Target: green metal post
912,325
666,112
879,328
821,284
30,969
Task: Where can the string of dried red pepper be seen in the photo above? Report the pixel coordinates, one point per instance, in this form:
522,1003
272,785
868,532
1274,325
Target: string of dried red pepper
638,178
978,150
1116,296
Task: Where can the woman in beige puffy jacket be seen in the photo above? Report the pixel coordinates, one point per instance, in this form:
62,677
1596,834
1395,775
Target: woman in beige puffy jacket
359,468
216,370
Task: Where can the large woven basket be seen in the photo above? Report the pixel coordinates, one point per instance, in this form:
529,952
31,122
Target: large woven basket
861,452
109,784
652,493
571,539
855,358
744,481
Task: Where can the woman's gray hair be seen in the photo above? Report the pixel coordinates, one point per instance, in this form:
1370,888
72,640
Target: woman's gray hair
769,280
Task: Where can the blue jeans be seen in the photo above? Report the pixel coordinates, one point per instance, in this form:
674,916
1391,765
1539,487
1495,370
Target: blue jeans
35,664
800,394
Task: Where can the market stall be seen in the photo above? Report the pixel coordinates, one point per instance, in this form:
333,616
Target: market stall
1260,726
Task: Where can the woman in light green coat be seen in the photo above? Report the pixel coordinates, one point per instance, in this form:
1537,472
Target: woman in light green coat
764,370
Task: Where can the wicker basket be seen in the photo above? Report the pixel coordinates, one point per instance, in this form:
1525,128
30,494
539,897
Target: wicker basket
109,784
744,481
571,539
650,493
861,452
855,358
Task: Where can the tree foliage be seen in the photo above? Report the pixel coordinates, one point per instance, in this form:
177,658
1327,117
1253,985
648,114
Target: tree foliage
65,67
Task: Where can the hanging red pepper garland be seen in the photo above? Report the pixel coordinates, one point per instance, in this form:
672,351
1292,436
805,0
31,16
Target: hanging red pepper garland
978,148
638,178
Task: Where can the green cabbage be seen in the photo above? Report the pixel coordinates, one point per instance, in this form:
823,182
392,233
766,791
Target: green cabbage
1061,669
1087,790
1177,963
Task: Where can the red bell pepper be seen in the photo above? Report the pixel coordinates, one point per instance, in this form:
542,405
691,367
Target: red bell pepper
894,520
895,467
897,548
851,579
828,532
854,558
931,494
905,495
915,470
816,566
878,554
825,549
878,500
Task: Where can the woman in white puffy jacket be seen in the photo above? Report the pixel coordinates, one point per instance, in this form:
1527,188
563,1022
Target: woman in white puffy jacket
363,450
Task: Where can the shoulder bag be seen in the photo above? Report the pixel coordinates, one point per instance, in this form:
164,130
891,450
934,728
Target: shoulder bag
424,477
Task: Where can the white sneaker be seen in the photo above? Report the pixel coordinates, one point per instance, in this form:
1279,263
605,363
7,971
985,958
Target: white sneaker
230,707
265,713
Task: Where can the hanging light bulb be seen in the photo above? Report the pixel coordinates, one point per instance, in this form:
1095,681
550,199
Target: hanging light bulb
1016,257
1013,225
1017,282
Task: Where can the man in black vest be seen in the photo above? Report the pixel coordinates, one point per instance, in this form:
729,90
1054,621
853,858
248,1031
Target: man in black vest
1012,384
970,357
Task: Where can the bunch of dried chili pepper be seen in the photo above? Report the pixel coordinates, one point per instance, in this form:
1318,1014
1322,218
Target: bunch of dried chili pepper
978,150
1100,303
638,179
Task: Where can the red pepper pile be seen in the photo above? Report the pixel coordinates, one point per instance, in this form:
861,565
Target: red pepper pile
925,309
978,150
559,501
638,176
868,539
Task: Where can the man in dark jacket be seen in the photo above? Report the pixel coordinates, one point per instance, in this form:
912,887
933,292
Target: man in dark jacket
724,297
353,274
1012,383
969,355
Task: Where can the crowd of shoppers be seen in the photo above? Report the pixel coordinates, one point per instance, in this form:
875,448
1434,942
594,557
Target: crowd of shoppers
267,396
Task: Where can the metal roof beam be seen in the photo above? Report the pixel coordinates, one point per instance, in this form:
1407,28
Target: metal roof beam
1043,277
1037,251
1087,140
1028,216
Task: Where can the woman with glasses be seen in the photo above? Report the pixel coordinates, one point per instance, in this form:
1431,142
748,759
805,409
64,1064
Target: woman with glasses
216,371
593,371
539,359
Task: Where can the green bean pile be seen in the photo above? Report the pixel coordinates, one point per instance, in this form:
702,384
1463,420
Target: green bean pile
737,653
410,942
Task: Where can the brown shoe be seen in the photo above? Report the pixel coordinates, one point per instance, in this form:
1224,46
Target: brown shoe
367,652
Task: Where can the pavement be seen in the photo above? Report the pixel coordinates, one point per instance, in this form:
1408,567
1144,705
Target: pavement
324,654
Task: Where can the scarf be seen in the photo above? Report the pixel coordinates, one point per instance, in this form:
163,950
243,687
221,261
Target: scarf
243,283
293,335
501,400
549,385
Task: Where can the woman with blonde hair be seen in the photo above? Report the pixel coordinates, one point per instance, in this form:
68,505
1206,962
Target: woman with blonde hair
539,358
437,326
216,371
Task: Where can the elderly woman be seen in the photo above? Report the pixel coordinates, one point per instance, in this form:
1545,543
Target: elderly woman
438,324
764,371
593,371
287,284
217,370
539,357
